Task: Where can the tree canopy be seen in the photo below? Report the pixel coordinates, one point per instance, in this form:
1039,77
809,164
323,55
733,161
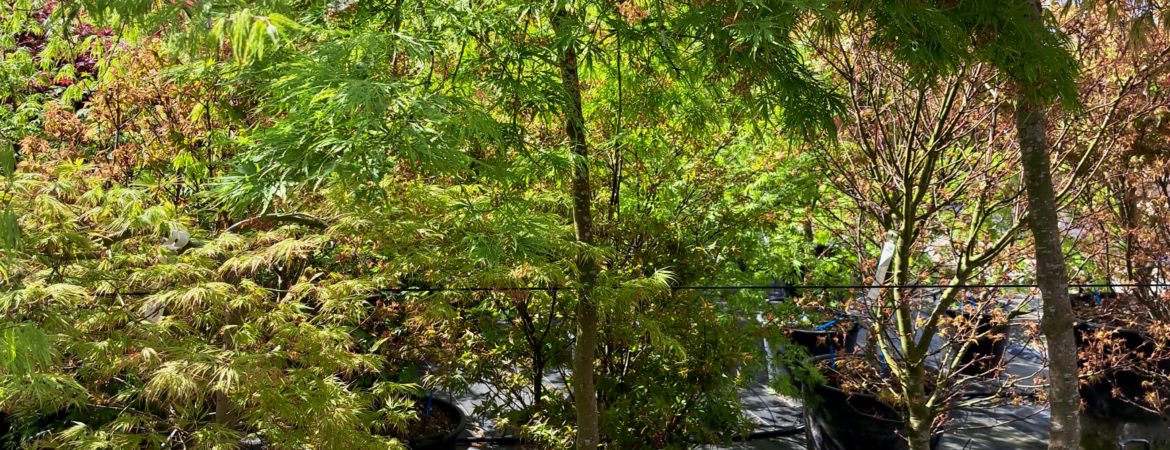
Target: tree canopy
290,220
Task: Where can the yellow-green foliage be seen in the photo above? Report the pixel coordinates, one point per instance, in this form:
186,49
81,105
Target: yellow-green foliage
103,319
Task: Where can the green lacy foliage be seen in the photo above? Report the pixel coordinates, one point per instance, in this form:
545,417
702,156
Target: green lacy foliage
127,343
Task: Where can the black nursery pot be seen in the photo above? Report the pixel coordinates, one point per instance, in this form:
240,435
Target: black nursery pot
447,440
826,342
1089,297
837,420
5,427
1099,397
984,357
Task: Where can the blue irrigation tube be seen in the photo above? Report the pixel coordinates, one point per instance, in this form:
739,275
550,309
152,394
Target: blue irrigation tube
826,325
427,413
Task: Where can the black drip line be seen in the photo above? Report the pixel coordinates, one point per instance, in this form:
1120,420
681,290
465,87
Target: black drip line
753,436
813,287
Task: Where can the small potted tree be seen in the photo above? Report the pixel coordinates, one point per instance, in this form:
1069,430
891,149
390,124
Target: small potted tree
850,403
1124,358
980,336
933,215
436,426
819,325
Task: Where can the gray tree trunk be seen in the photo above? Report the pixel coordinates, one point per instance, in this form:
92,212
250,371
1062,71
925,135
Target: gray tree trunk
1057,319
584,390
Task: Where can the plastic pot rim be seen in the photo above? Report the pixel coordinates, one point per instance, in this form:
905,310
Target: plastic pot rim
450,435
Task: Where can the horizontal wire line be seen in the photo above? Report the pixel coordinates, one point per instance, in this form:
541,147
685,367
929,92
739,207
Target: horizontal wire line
815,287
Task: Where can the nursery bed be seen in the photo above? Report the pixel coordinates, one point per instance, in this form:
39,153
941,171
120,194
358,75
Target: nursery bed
1022,427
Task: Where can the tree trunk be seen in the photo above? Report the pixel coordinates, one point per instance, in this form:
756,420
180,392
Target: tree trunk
1057,319
584,390
225,412
537,379
920,425
919,417
536,346
1100,435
